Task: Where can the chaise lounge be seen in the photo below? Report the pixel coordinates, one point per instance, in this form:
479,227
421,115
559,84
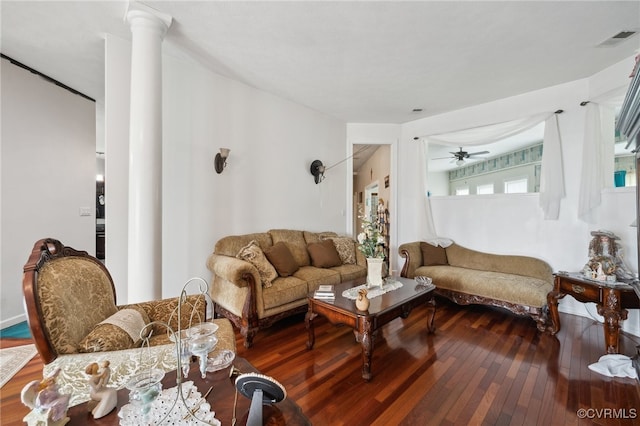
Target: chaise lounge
517,283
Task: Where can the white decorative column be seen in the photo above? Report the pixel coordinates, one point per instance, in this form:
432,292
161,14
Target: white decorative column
148,28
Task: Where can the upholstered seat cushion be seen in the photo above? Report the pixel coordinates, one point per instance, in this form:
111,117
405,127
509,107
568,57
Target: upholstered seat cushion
516,289
284,290
315,276
348,272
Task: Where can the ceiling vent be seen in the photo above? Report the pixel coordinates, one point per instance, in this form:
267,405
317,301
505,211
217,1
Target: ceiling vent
617,39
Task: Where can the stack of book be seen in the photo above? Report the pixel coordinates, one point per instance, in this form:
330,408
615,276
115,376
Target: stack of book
325,292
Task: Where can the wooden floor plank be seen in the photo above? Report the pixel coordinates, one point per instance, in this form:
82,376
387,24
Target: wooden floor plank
481,366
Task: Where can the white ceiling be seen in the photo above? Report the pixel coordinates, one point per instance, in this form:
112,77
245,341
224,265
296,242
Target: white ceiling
358,61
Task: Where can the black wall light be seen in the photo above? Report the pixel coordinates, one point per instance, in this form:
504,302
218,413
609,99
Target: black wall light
317,170
221,159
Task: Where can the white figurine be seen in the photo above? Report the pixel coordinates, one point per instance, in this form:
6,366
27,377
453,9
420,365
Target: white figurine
48,405
106,397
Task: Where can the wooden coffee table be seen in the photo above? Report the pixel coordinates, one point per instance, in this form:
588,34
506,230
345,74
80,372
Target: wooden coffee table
221,399
383,309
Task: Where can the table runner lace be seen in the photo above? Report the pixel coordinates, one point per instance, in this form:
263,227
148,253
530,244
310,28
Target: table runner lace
352,293
130,414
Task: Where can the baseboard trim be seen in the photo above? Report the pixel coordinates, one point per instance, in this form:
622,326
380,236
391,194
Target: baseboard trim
589,310
5,323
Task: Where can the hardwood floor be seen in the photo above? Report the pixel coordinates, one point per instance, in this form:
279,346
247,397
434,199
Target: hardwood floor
482,366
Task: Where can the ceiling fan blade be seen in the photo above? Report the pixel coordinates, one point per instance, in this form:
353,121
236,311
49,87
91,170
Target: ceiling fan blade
479,153
441,158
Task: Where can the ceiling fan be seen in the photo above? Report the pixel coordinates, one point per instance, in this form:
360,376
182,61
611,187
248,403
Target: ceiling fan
460,156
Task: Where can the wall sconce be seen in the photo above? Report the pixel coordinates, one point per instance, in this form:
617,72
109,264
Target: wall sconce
221,159
317,170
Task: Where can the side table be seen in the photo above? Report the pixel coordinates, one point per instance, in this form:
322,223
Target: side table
611,299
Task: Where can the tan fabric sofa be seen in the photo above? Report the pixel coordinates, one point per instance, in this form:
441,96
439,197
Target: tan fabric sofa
240,293
517,283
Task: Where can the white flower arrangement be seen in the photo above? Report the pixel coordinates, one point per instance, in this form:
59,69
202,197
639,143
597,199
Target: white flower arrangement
370,240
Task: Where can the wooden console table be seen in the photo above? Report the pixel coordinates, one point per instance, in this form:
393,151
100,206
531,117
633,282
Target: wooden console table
611,299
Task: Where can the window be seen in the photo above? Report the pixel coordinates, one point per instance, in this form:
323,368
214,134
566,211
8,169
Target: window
485,189
516,186
462,190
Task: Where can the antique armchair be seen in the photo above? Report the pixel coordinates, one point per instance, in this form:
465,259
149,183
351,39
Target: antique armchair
70,301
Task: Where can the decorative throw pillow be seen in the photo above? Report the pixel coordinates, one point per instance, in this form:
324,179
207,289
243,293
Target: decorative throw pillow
119,331
281,258
432,255
253,254
346,249
324,254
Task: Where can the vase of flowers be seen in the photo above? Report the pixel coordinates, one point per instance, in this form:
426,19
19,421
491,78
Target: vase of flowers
370,242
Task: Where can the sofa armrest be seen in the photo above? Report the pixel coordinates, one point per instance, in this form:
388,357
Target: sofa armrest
236,286
413,258
233,270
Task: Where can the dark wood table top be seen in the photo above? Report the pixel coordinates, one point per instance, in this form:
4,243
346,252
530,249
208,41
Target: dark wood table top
221,399
409,290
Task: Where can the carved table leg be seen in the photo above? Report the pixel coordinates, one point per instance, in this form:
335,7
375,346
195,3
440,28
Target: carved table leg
367,348
309,322
552,300
431,314
248,333
613,316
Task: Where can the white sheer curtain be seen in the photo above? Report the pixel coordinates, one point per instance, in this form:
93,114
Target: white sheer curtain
427,232
598,150
488,134
552,179
552,170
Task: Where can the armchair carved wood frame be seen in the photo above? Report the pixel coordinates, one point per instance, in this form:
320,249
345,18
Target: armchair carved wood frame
67,293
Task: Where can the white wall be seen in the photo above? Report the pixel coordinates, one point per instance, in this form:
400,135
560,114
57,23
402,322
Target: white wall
515,223
116,138
48,167
267,183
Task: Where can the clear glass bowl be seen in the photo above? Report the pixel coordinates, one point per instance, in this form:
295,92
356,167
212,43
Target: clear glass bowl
202,329
144,388
422,280
201,347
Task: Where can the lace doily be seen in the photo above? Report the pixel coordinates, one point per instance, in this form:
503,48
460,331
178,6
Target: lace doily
352,293
131,414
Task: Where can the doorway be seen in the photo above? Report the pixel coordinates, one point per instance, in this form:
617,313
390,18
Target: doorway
372,192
